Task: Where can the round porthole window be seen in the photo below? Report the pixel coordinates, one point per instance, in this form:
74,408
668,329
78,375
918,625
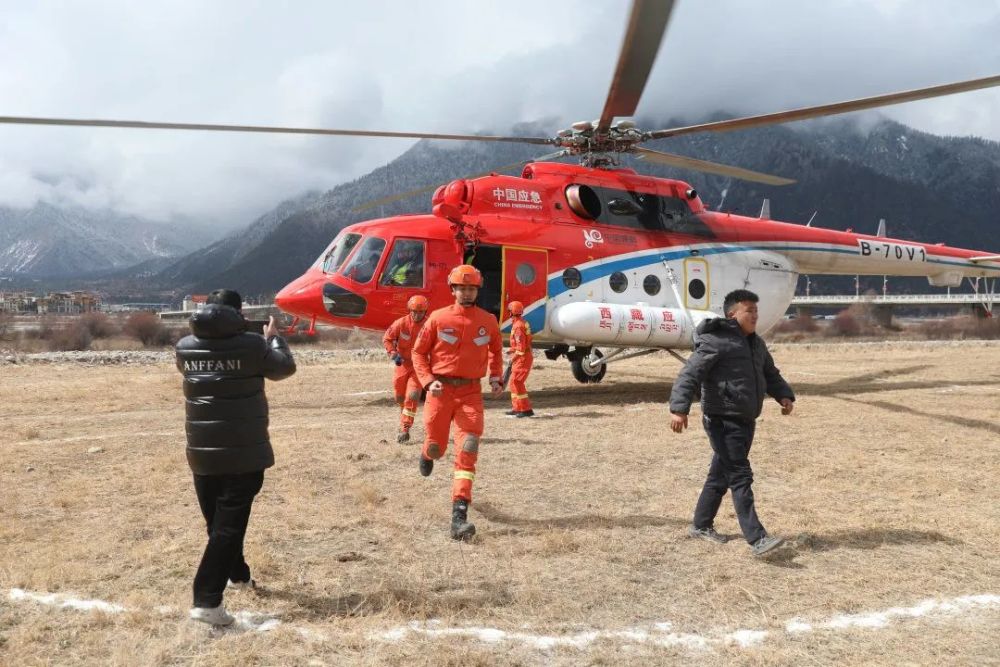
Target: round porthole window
619,282
572,278
696,288
652,285
525,274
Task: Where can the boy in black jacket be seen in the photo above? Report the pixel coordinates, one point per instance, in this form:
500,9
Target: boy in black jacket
732,366
228,447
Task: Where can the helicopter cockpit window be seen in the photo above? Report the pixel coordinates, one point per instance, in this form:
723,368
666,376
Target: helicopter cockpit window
342,247
362,266
405,267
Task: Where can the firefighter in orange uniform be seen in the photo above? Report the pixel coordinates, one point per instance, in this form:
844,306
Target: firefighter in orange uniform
398,342
452,353
520,348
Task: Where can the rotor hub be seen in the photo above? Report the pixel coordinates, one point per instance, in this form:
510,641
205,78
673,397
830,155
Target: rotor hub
599,148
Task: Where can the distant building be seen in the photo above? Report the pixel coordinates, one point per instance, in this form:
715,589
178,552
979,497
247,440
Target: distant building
68,303
194,302
18,302
62,303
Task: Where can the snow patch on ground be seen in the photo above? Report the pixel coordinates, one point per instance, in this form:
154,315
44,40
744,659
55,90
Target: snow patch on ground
659,634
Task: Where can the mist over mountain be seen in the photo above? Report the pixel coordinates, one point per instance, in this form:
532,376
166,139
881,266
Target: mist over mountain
65,242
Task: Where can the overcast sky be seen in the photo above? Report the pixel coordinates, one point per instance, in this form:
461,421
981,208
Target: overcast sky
423,65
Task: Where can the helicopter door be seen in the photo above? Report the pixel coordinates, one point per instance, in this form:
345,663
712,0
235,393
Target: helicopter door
525,279
696,285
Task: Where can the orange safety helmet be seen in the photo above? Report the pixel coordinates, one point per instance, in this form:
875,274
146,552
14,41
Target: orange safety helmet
465,275
515,308
417,303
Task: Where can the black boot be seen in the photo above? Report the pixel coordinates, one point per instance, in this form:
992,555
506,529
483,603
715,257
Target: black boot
461,529
426,466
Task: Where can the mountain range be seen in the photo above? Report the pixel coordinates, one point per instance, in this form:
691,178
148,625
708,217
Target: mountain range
928,188
48,241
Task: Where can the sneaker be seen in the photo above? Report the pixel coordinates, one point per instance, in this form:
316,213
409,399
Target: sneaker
404,436
707,534
765,545
526,413
511,413
212,615
247,585
426,466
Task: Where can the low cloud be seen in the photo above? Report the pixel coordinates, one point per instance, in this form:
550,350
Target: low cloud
447,67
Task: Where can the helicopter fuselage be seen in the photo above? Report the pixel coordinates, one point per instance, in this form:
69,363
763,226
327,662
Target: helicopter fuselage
597,256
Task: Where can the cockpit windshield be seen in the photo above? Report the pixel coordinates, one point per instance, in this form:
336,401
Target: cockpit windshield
342,247
405,267
363,263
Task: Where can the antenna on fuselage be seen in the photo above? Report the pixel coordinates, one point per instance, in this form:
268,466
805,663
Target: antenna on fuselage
765,210
881,227
811,218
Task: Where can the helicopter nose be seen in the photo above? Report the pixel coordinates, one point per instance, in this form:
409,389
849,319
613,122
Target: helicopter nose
298,299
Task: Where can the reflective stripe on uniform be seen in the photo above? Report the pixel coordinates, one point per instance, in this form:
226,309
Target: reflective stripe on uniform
409,413
465,474
519,396
481,340
448,338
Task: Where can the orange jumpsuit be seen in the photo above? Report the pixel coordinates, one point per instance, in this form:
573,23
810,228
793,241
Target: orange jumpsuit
456,346
399,339
520,347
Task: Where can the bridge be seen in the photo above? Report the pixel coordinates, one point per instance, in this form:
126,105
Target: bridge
894,299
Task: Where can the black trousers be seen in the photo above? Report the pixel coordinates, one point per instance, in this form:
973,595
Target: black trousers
730,469
225,502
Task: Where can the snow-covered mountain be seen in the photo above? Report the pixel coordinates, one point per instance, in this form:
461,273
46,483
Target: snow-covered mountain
51,241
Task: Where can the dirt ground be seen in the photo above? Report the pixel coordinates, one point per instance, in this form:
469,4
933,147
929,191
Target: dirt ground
883,480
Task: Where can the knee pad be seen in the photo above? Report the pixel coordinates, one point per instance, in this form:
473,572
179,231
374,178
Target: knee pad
434,450
471,444
414,396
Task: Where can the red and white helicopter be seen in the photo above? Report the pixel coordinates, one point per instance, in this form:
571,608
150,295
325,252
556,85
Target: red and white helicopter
600,255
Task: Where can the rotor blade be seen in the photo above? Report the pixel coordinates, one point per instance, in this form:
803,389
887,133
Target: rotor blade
832,109
683,162
431,188
143,125
642,39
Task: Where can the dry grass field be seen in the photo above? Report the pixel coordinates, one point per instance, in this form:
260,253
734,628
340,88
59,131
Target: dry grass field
884,479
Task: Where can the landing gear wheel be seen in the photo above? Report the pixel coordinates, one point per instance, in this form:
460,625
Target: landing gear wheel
585,371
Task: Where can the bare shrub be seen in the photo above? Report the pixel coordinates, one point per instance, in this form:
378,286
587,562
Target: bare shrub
74,337
844,324
148,329
797,325
960,328
6,326
99,325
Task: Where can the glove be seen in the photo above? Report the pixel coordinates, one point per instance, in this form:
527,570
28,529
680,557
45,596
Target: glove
396,359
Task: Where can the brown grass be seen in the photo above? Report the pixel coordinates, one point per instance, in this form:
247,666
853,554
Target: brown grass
883,476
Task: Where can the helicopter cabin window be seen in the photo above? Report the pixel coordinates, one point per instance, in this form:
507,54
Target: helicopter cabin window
363,263
525,274
572,278
618,282
652,285
405,267
635,210
342,247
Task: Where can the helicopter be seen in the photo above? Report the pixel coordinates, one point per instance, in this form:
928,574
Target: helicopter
609,263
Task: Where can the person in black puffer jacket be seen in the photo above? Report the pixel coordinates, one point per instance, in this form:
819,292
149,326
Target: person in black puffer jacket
734,370
228,447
